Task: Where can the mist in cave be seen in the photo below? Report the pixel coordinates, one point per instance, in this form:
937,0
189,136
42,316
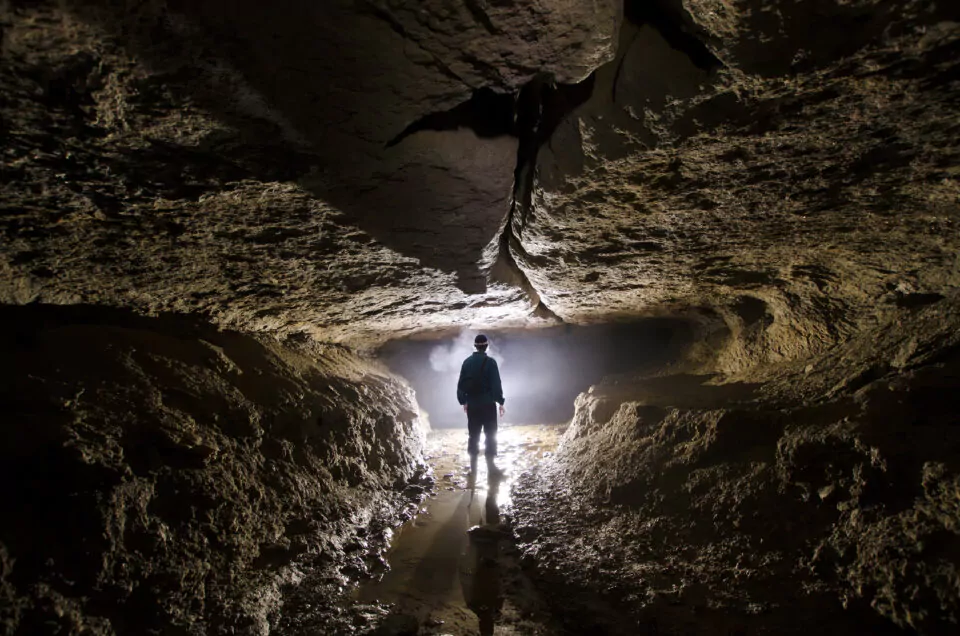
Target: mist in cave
542,371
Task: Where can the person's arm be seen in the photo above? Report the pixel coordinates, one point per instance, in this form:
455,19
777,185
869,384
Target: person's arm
461,394
495,387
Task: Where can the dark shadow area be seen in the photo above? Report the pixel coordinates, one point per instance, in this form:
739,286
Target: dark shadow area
542,371
916,300
541,106
116,424
668,21
22,324
54,360
487,113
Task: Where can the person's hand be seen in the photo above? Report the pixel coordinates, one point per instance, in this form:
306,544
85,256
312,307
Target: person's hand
502,410
464,408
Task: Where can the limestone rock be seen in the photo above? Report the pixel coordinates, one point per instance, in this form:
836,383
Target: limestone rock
795,204
158,474
703,503
780,176
288,157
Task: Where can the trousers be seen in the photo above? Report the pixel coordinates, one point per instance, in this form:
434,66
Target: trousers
482,417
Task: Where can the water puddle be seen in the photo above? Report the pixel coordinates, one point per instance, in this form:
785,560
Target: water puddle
452,567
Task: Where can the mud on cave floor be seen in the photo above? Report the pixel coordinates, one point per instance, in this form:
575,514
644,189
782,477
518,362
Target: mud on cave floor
453,568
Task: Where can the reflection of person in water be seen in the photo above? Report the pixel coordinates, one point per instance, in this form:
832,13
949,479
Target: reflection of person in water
491,508
482,592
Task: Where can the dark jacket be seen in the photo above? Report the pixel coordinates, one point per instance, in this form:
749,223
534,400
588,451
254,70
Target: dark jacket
490,389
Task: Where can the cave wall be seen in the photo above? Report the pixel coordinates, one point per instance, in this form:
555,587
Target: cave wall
790,164
161,476
819,495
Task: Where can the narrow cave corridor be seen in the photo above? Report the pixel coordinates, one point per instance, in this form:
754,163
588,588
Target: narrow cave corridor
245,248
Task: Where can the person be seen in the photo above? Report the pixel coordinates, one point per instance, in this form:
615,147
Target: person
479,391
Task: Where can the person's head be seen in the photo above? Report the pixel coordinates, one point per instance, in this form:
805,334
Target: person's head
481,342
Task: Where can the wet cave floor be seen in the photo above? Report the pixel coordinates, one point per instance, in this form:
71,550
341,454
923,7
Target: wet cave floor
454,568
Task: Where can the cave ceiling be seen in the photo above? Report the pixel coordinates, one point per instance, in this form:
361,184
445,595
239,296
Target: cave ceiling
367,169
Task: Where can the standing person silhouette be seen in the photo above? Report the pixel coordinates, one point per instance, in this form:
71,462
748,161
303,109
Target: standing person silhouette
479,391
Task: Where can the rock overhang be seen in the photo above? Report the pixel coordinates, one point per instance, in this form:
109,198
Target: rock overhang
243,168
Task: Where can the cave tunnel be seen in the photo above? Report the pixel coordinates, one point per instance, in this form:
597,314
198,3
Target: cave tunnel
542,371
245,248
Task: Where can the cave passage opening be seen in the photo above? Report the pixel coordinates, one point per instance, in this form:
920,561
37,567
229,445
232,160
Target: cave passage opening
542,370
446,564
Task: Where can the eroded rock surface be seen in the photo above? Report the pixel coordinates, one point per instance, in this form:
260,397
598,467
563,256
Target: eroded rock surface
817,495
783,175
800,200
159,476
274,167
